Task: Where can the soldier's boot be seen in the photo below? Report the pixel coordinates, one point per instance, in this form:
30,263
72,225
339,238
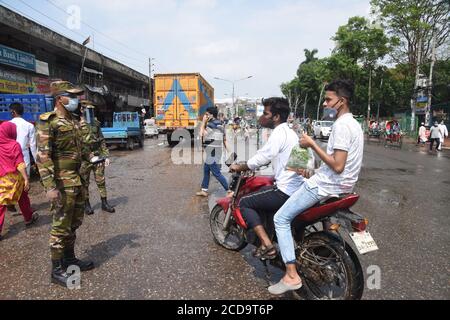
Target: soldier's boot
59,275
87,208
70,259
106,207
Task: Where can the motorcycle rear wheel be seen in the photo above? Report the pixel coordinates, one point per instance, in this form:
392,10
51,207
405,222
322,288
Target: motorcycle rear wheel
334,272
234,238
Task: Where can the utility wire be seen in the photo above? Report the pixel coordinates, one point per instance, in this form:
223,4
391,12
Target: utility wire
99,32
65,27
56,21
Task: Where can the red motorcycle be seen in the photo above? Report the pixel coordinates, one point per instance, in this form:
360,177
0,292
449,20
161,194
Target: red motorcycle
327,264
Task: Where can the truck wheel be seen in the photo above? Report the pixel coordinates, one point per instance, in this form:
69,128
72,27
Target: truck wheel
170,141
130,144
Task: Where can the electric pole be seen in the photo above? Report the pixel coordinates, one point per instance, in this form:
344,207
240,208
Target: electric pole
379,102
150,89
370,94
416,87
430,82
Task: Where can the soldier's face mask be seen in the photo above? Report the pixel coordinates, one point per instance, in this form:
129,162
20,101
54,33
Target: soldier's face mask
72,105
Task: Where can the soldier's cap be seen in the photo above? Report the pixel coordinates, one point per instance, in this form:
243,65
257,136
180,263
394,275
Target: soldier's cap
58,88
87,104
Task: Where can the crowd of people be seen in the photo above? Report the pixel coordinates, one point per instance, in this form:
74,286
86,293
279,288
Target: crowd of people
437,135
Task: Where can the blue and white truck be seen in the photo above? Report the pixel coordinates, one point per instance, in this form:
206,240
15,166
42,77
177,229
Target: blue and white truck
127,130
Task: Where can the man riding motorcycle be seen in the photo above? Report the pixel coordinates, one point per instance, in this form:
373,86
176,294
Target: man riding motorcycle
277,150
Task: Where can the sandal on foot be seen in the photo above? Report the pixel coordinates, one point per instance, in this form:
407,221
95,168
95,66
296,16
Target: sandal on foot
283,287
265,253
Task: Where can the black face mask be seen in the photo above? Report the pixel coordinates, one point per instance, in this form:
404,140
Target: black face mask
330,113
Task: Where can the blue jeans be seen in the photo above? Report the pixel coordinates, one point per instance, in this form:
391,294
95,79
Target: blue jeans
215,169
303,199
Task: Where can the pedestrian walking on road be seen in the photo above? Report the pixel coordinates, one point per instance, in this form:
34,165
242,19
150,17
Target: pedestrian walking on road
422,139
60,153
444,134
14,182
25,134
214,138
93,138
25,137
435,136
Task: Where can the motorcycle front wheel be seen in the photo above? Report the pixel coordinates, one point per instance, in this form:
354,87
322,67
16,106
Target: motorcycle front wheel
330,270
231,239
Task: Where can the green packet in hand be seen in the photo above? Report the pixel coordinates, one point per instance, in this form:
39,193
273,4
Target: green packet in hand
300,158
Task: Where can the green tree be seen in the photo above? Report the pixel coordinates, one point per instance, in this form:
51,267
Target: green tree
412,23
310,56
361,41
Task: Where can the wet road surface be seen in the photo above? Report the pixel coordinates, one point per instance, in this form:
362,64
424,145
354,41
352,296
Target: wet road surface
158,244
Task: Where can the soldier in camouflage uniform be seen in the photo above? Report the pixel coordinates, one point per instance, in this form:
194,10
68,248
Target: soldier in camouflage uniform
60,153
93,137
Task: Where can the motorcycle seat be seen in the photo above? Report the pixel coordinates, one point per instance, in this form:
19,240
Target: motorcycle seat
328,206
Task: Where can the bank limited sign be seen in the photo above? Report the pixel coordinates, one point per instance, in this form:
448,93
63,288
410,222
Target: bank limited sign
17,58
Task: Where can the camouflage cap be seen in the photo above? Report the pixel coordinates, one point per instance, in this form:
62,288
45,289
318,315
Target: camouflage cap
61,87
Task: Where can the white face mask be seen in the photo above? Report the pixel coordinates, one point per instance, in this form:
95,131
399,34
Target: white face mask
72,106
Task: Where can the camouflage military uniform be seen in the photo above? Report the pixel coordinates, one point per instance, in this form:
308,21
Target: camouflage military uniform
59,158
92,136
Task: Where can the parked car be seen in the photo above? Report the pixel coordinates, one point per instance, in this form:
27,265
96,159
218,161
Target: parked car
322,129
151,130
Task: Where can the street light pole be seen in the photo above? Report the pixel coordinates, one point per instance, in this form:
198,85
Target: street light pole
233,82
150,89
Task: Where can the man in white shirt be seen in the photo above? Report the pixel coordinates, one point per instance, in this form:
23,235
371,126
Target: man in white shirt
444,134
25,133
277,150
337,175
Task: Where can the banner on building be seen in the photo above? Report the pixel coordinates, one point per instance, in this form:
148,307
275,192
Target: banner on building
42,85
42,68
16,87
17,58
12,76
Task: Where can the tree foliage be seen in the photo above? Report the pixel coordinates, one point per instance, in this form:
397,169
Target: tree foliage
362,47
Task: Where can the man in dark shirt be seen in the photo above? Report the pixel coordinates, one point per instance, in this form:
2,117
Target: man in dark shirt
214,139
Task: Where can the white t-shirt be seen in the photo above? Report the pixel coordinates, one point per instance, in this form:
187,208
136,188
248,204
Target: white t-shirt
347,135
26,138
278,150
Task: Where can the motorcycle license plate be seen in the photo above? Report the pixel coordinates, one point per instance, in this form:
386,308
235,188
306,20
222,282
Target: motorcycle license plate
364,242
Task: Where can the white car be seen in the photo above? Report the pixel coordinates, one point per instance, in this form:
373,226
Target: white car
151,131
322,129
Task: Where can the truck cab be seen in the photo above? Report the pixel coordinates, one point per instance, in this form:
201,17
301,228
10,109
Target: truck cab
127,130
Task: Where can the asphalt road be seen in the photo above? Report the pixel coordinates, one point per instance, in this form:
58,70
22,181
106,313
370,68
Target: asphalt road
158,244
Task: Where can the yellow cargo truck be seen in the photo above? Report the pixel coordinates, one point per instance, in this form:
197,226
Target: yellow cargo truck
181,100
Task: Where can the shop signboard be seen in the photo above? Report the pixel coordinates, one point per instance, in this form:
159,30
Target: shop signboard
17,58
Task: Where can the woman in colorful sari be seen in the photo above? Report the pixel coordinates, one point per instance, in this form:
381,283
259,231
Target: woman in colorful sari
14,183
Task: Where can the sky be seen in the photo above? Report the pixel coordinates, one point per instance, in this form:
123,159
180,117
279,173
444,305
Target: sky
228,39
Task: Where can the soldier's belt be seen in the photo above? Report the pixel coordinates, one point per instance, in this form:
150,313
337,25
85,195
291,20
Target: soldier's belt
67,164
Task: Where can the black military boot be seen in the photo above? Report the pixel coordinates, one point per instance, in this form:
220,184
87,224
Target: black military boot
87,208
70,259
106,207
59,275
